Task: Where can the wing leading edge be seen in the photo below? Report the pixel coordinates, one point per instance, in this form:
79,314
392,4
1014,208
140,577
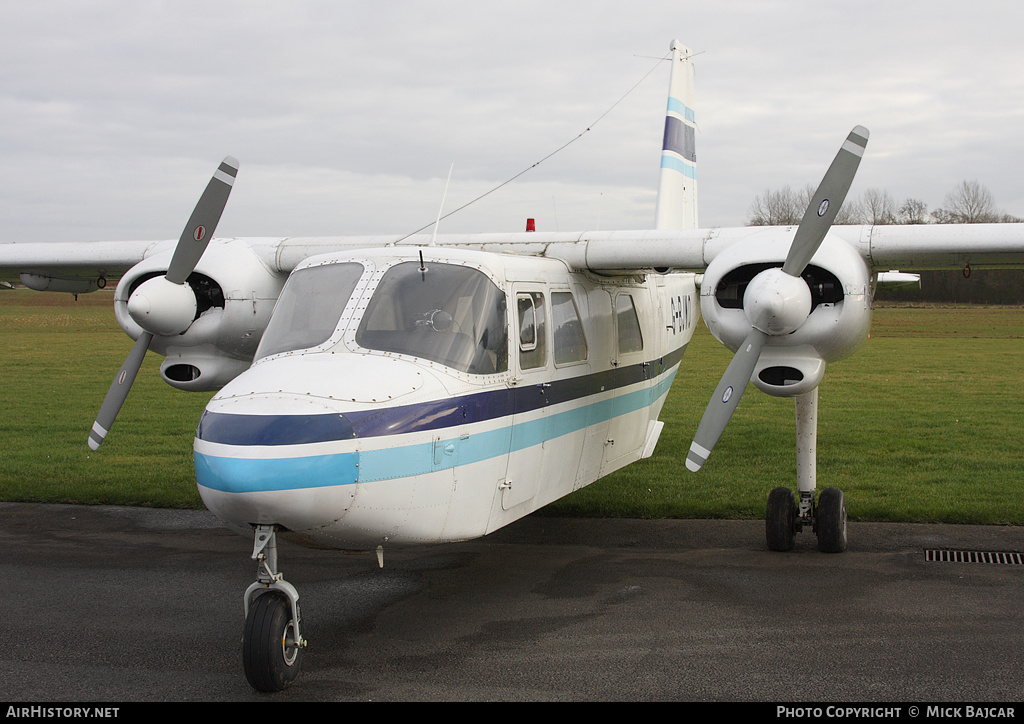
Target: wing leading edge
907,248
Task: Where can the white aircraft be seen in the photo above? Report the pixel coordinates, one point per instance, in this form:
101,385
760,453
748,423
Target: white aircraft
378,392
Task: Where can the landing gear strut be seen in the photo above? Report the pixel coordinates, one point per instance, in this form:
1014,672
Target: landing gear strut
272,643
784,517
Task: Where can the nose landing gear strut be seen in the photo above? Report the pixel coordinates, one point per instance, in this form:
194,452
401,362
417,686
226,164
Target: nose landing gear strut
272,643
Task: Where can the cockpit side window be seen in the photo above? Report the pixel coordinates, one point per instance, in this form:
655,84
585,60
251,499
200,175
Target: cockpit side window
532,330
628,325
309,308
446,313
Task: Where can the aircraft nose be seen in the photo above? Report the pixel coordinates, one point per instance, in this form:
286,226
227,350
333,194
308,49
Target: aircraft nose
283,442
298,470
291,440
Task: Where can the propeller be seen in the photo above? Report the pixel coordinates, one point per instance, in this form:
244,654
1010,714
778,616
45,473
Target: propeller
778,301
145,303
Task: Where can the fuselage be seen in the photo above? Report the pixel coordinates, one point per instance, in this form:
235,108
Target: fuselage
409,396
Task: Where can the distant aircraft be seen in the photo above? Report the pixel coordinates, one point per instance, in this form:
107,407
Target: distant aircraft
378,392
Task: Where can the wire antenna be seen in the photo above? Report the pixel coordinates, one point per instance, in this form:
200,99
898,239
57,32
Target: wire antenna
538,163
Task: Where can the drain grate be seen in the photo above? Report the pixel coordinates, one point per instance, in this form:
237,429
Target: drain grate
996,557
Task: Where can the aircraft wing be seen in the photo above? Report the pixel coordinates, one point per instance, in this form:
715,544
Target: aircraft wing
907,248
940,246
883,248
70,267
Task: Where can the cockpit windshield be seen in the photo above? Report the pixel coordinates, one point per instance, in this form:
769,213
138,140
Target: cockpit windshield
450,314
309,307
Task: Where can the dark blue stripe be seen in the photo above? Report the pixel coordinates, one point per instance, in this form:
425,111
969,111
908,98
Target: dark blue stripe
273,429
234,429
680,138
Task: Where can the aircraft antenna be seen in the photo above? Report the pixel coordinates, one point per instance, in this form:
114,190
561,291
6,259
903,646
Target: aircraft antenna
538,163
441,207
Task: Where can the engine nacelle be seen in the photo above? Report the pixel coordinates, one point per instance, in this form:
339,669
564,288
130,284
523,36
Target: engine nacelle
234,295
791,362
70,284
202,368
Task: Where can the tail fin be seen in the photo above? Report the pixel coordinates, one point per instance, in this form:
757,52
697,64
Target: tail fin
677,187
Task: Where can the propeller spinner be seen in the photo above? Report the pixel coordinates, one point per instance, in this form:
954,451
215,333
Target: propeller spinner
777,301
166,305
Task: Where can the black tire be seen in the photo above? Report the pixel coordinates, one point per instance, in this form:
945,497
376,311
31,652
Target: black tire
780,520
269,654
830,521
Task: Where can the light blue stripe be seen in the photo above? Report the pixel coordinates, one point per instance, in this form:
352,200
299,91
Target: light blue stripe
244,475
237,475
677,106
675,164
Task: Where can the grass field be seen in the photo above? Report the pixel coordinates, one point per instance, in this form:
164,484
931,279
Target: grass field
923,424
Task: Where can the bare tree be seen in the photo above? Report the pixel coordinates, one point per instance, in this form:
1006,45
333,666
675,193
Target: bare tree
968,203
912,211
879,207
786,207
851,212
776,208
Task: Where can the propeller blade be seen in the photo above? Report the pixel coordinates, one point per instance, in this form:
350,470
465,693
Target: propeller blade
817,220
826,202
118,391
193,242
203,222
723,403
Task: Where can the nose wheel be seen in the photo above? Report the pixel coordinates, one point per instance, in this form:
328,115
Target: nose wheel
272,643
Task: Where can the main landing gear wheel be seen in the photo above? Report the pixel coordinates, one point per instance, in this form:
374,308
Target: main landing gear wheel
271,650
783,519
830,521
780,520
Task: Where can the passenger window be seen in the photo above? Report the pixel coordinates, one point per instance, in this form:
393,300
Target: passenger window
532,340
630,339
570,344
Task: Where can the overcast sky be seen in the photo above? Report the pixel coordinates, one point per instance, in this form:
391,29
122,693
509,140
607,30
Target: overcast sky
346,115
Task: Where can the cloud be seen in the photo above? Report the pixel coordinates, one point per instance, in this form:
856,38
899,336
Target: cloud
346,116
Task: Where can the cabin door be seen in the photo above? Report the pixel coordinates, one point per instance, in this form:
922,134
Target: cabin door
530,360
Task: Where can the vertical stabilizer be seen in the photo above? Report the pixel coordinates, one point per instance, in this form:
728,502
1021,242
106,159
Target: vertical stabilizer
677,186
